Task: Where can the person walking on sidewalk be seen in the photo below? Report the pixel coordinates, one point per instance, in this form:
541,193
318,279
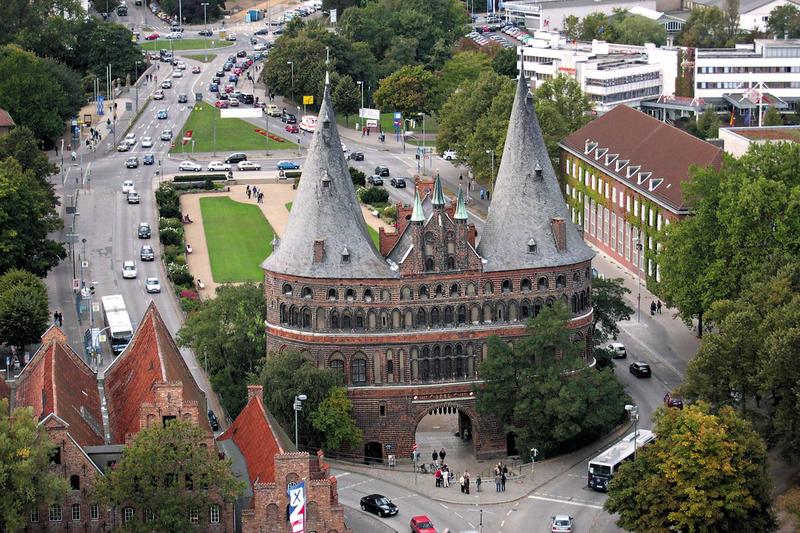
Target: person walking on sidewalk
503,480
497,481
652,308
442,455
445,475
658,307
435,458
466,481
461,482
438,476
478,483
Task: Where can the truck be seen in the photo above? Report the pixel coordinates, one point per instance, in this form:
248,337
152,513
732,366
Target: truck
308,123
118,323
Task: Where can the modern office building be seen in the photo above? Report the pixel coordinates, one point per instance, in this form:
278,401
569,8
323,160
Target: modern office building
550,14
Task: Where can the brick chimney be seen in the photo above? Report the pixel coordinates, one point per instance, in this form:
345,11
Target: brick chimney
255,391
319,250
559,227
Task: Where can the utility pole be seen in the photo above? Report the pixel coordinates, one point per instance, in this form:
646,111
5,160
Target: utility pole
205,28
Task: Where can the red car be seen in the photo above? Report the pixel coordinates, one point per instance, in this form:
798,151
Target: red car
237,71
422,524
229,88
221,104
672,401
292,128
152,37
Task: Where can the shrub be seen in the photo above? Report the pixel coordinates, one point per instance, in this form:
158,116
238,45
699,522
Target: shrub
199,177
175,223
190,305
358,177
390,213
168,201
171,253
179,274
171,236
209,184
373,195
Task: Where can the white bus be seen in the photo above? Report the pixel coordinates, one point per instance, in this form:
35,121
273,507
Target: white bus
118,322
603,467
308,123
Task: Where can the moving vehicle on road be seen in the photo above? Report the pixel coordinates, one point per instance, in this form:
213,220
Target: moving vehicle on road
356,156
158,95
147,142
292,128
190,166
218,166
144,231
205,33
398,183
132,162
166,135
127,186
183,98
177,74
617,350
308,123
213,421
130,139
118,322
603,467
133,197
640,369
378,504
152,285
149,159
248,165
422,524
288,165
375,180
162,114
147,253
273,111
382,171
672,401
152,37
128,270
236,157
123,147
195,70
561,523
166,84
449,155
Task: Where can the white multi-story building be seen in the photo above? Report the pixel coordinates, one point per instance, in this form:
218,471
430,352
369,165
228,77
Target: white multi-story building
767,70
610,74
550,14
753,14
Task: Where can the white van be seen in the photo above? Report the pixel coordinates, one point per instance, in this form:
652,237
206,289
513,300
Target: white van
308,123
272,110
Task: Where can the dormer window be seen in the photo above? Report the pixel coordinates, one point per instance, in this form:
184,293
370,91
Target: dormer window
633,170
589,146
345,255
610,158
621,164
600,153
642,177
326,180
531,245
655,183
537,170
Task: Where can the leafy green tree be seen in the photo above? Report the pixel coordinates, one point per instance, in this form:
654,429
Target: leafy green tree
542,391
23,16
24,310
461,67
626,28
60,39
572,27
288,374
28,478
704,472
784,21
111,45
505,62
705,28
21,144
562,108
239,311
610,307
334,419
346,97
192,12
359,178
772,117
730,10
593,26
708,124
169,470
407,90
26,220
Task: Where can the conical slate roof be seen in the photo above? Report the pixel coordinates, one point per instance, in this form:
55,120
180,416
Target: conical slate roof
461,207
523,205
325,213
417,214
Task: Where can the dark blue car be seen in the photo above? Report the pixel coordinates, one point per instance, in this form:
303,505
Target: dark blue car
233,78
148,159
214,88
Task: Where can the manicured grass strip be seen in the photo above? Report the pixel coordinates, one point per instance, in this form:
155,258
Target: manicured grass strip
233,134
288,206
185,44
373,233
239,238
387,123
203,58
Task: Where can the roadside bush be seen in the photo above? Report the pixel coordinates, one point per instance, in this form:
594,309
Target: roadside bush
190,305
179,274
175,223
168,201
390,213
373,195
209,184
199,177
171,236
358,177
171,253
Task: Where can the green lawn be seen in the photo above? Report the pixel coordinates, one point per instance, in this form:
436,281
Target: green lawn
288,206
203,58
239,238
184,44
372,232
387,122
233,134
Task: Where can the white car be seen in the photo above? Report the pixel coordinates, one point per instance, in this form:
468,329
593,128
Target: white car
158,95
130,139
218,166
231,37
618,350
181,65
128,270
177,74
123,147
190,165
344,147
127,186
152,285
449,155
248,165
260,47
561,524
147,142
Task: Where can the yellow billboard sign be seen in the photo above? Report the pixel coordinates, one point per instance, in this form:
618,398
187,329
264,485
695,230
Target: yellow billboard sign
308,100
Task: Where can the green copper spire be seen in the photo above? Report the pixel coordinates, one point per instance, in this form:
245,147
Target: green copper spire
417,215
438,195
461,206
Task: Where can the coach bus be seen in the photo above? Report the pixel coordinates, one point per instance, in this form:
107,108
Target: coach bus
118,323
603,467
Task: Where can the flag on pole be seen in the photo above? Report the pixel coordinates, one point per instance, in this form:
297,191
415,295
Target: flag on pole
733,117
297,507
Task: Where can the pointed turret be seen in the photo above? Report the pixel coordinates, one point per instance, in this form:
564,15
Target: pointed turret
527,203
417,215
461,207
438,195
326,219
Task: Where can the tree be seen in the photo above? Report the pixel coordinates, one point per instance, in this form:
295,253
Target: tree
784,21
26,221
705,28
626,28
158,472
21,144
346,97
505,62
572,27
359,178
407,90
288,374
708,124
334,419
704,472
731,18
608,300
239,312
772,117
28,478
111,45
24,309
543,393
593,26
562,108
461,67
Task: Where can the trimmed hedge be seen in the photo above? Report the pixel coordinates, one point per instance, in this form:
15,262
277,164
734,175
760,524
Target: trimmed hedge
199,177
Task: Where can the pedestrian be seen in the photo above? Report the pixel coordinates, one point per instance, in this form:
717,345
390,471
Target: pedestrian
478,483
363,131
652,308
74,155
466,481
55,317
60,319
442,455
487,195
368,128
658,307
503,481
483,194
497,481
461,483
248,192
438,476
435,458
261,197
460,177
446,476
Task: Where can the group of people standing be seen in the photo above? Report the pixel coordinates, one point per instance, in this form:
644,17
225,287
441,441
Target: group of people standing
255,192
500,476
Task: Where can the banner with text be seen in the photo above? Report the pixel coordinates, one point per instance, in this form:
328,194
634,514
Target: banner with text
297,506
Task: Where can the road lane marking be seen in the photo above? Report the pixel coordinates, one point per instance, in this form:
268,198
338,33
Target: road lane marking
443,505
568,502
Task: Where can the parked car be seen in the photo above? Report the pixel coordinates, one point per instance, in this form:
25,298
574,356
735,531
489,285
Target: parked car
248,165
221,104
672,401
133,197
382,171
449,155
218,166
144,230
561,524
147,142
640,369
152,285
190,166
205,33
378,504
618,350
166,135
132,162
357,156
128,270
149,159
398,183
288,165
422,524
213,421
127,186
292,128
236,157
147,253
375,180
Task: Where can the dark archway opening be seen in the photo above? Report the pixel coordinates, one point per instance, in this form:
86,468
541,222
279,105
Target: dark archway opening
511,444
373,452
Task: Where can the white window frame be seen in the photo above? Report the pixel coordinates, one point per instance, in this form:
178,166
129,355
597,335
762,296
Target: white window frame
613,194
34,516
127,514
214,514
76,516
55,513
94,511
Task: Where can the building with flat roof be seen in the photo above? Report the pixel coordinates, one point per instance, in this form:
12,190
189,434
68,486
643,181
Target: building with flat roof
550,14
737,141
753,14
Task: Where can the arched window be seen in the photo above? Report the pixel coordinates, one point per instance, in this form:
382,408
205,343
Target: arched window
359,319
454,289
75,482
451,262
561,282
306,318
332,295
390,366
334,320
550,301
448,315
424,370
337,365
576,278
437,369
358,371
435,316
350,295
462,314
470,289
347,321
423,292
405,294
287,289
525,285
487,288
537,308
507,287
367,295
284,314
429,264
459,367
421,317
447,368
543,283
574,303
294,316
307,293
439,291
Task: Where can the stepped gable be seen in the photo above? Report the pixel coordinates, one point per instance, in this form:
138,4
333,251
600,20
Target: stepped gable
151,357
526,200
258,437
326,236
58,381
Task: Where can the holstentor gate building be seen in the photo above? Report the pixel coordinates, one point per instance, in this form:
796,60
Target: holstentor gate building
408,325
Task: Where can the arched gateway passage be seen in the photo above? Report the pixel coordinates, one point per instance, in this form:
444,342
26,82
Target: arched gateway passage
448,426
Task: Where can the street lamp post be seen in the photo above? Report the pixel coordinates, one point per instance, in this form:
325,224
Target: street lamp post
634,412
638,244
291,64
205,27
361,86
491,182
298,406
534,453
136,84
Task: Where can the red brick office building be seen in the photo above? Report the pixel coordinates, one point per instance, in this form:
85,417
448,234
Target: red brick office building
408,325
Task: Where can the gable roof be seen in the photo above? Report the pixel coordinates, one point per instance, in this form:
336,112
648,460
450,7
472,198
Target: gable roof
652,149
151,357
57,381
325,211
523,205
258,440
5,119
